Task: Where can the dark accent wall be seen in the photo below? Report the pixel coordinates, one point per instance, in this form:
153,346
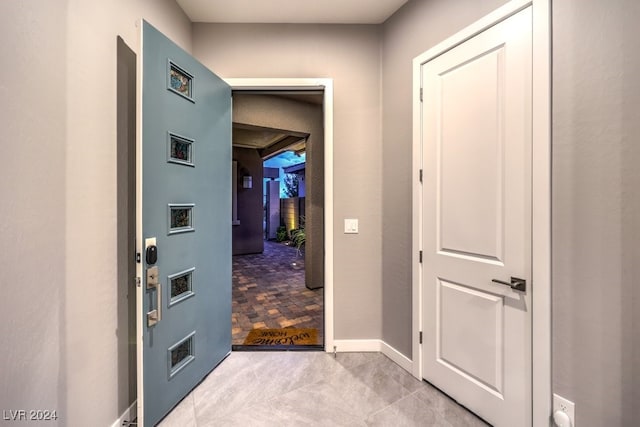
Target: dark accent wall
248,235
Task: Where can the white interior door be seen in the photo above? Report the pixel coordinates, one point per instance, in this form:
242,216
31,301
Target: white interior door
184,296
476,139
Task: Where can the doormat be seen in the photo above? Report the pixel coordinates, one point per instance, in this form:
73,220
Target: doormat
288,336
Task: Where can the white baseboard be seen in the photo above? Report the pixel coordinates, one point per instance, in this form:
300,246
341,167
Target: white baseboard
403,361
128,415
346,346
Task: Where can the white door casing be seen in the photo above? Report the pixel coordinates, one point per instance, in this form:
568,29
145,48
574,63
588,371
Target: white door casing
326,85
477,221
460,260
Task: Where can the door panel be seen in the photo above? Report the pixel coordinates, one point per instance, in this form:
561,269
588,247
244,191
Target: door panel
186,207
473,352
476,121
471,187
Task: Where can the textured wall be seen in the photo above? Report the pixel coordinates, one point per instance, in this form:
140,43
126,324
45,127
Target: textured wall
97,378
60,314
64,325
350,55
33,89
596,209
415,28
248,236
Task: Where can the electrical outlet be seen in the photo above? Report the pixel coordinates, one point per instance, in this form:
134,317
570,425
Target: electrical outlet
566,406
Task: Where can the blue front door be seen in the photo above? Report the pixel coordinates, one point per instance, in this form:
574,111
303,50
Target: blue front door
185,315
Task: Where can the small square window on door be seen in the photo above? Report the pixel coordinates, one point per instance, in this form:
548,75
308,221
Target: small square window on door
181,218
179,81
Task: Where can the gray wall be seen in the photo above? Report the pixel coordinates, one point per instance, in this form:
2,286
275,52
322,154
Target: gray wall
126,221
348,54
97,390
63,318
32,188
59,317
596,209
248,236
415,28
596,200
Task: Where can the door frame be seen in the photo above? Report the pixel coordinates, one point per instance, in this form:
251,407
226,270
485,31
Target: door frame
325,84
541,194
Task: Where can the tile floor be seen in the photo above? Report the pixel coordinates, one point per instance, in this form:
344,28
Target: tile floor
314,389
269,292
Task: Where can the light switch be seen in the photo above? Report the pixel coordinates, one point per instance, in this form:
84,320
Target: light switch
351,226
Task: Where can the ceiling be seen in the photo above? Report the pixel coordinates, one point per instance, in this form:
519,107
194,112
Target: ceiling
268,142
291,11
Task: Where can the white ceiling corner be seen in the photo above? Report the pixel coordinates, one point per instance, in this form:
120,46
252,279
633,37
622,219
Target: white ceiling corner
291,11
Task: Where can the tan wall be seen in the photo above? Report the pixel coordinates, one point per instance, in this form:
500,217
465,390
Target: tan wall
290,210
64,341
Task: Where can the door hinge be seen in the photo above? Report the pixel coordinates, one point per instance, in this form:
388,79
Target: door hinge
420,257
138,257
420,337
420,175
421,95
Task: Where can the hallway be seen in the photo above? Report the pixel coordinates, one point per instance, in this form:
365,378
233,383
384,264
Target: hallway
269,292
313,388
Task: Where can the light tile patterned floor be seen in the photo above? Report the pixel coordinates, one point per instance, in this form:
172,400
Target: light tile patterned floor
314,389
269,292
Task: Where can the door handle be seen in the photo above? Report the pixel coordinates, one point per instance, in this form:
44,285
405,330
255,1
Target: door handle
153,281
516,284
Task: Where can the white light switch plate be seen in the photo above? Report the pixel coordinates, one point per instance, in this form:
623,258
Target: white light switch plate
351,226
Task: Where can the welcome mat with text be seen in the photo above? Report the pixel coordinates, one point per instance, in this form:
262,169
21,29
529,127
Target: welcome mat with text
288,336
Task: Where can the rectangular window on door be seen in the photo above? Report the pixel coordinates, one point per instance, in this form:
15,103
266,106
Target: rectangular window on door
179,150
181,286
181,354
181,218
180,81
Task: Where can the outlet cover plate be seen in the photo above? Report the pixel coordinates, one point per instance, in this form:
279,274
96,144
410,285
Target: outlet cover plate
566,406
